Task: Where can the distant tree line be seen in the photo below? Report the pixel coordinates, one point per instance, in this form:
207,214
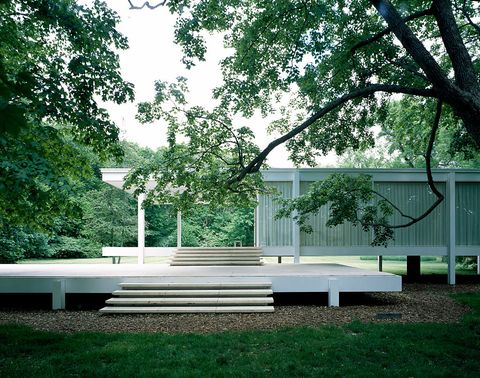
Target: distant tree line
106,216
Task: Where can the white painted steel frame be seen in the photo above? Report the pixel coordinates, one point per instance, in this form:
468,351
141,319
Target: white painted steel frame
448,176
116,176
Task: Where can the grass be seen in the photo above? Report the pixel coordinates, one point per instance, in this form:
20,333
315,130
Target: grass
356,349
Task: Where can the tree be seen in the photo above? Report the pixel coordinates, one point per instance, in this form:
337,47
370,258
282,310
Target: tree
57,59
404,136
109,217
340,62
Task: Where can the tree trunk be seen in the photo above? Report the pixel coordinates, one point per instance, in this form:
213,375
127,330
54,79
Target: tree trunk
413,268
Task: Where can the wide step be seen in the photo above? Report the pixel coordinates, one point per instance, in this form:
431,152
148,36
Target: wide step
215,263
188,297
215,255
185,309
196,286
190,301
203,256
193,292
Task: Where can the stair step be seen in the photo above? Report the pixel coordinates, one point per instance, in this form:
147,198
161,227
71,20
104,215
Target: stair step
208,258
201,285
191,293
226,254
214,263
184,309
191,301
219,249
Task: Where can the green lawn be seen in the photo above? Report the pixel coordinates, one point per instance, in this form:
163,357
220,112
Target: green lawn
356,349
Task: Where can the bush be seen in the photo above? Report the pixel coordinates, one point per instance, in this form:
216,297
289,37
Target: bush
17,243
466,262
36,246
10,251
65,247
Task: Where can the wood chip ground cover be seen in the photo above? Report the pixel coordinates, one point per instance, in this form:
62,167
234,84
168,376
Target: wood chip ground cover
416,303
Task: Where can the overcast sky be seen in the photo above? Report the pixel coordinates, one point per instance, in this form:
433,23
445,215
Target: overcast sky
153,56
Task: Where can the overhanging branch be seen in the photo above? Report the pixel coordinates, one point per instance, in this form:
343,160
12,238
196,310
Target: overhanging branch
431,183
383,33
146,4
256,163
414,47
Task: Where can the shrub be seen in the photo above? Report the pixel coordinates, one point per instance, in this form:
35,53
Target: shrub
36,246
66,247
10,251
17,243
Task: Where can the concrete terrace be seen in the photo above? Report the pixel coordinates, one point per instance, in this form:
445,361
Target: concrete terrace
60,280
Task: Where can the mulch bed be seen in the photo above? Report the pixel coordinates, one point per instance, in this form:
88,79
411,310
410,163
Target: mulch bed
416,303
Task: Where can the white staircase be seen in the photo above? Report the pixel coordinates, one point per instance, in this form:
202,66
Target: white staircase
184,297
217,256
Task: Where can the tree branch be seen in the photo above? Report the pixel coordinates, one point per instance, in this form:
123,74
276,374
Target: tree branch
398,63
393,205
415,47
431,183
383,33
469,19
465,75
147,5
256,163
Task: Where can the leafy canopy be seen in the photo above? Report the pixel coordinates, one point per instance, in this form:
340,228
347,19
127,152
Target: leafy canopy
338,63
57,59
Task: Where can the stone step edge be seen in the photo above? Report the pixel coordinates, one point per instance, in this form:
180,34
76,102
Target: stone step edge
183,309
189,293
219,258
214,263
218,249
198,285
217,254
191,301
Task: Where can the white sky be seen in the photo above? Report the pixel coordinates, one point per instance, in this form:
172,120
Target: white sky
154,56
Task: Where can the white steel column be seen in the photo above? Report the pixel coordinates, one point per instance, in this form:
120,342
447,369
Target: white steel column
58,295
255,226
141,228
296,227
451,241
179,229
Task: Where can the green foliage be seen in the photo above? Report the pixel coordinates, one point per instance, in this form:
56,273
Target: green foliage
133,155
350,199
202,226
405,131
109,217
17,243
57,59
35,179
65,247
161,229
304,50
200,169
321,56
